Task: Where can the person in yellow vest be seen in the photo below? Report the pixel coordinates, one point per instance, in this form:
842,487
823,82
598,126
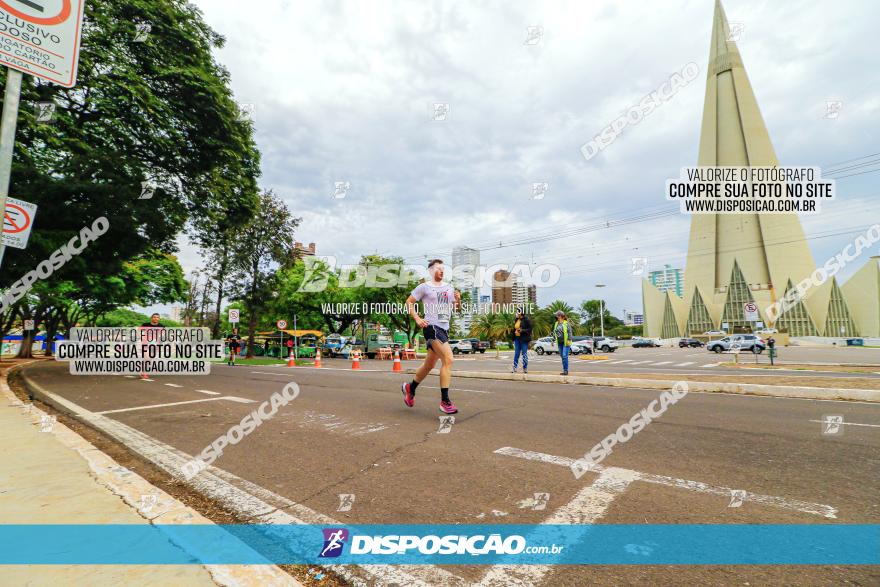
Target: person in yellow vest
562,333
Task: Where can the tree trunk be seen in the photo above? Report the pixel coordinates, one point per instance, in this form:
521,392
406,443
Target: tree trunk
220,276
252,313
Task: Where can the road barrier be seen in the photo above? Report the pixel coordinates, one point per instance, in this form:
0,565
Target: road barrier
356,360
318,358
397,367
291,360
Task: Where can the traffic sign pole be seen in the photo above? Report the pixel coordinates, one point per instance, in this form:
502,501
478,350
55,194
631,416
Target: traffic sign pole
8,124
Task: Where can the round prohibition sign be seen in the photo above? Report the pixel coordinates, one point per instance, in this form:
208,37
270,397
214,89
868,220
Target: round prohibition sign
38,11
281,324
16,217
751,307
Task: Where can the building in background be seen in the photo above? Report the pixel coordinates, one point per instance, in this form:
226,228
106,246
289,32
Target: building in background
176,313
466,256
524,294
668,279
300,250
502,287
631,318
510,289
735,260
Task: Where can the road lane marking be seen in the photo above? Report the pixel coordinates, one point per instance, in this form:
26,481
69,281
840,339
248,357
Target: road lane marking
129,376
147,379
707,365
250,500
663,363
239,400
626,361
849,423
685,364
173,385
770,500
589,505
641,362
208,392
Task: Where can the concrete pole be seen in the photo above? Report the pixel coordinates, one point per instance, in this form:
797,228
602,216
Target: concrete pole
8,123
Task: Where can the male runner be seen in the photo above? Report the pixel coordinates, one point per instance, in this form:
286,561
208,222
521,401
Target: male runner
234,341
154,322
440,300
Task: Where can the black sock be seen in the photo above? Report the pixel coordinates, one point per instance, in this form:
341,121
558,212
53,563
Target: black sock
444,394
412,386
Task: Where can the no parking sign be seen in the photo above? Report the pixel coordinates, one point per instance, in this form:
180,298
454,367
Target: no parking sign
17,223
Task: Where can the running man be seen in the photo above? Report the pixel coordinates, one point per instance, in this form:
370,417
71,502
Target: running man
234,341
440,300
154,322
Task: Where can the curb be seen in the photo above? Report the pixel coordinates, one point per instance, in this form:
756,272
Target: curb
250,501
865,395
131,487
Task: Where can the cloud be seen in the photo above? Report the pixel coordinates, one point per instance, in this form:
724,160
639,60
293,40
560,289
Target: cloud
344,92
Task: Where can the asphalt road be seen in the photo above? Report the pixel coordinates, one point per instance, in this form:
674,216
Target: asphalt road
350,433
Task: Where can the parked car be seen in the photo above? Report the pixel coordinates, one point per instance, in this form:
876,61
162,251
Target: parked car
743,342
690,342
715,333
333,345
545,345
605,344
582,346
461,346
379,341
478,345
645,342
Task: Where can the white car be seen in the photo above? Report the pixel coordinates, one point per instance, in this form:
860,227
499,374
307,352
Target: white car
715,333
546,345
606,345
582,346
461,346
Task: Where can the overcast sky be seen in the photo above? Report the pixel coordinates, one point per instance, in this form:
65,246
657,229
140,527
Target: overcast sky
344,91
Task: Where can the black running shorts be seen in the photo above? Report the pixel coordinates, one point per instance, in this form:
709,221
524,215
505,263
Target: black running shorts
435,333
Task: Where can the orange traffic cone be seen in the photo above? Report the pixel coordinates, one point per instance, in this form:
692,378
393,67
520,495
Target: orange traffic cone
356,360
318,358
291,361
396,368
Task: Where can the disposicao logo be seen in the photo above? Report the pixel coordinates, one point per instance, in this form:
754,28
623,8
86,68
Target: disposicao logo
334,541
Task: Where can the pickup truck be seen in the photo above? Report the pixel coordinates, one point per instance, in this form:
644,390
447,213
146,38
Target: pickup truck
478,346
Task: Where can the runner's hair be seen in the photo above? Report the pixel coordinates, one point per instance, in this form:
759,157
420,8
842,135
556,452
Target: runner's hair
433,262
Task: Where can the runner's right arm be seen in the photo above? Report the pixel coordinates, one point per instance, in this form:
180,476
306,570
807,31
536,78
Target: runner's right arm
411,308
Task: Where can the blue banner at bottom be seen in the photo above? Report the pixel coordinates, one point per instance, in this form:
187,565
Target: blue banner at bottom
485,544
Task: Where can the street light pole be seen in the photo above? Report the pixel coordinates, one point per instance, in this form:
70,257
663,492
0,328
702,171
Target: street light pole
601,312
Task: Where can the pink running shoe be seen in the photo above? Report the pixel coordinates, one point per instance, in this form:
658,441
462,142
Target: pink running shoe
408,398
448,407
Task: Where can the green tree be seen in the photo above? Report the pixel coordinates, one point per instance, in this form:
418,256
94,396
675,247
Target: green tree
266,240
158,111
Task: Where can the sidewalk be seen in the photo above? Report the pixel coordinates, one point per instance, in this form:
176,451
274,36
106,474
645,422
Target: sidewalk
51,475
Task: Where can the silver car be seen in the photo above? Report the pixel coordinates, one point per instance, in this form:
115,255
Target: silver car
738,342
